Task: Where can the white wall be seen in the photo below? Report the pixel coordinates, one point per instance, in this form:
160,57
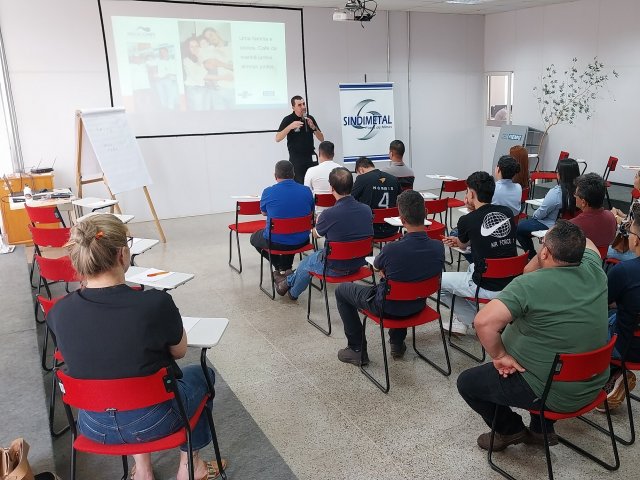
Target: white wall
526,41
56,63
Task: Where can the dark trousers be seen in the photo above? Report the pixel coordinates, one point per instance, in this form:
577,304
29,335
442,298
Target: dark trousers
300,166
523,234
483,388
280,262
350,297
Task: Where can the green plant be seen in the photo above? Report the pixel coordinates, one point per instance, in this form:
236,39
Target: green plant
564,96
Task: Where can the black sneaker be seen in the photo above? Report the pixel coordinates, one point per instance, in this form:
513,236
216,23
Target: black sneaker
347,355
397,350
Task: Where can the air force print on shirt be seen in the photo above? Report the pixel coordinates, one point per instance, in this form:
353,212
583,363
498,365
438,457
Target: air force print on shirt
497,225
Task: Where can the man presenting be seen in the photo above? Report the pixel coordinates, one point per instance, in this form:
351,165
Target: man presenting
299,129
558,305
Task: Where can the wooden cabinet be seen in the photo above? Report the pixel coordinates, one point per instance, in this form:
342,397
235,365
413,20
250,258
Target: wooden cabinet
15,221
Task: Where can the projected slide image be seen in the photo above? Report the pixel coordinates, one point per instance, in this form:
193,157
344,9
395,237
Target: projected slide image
168,64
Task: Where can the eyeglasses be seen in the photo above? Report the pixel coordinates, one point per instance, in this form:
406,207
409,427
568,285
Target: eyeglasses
129,241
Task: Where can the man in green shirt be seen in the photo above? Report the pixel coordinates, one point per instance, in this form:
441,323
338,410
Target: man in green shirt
558,305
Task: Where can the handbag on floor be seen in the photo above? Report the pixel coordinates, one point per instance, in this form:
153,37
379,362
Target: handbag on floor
13,461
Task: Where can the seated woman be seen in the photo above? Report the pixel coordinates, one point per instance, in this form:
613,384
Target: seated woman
521,155
559,200
624,299
106,330
616,253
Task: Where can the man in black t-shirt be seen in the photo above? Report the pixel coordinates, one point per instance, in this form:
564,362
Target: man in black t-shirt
377,189
299,129
413,258
492,232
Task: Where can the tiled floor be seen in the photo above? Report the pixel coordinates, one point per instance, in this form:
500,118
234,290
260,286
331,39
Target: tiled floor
324,417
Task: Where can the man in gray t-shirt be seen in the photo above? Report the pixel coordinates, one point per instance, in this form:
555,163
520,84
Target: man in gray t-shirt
397,168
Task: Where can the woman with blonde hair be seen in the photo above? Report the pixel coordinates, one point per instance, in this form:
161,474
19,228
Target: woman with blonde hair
520,154
106,330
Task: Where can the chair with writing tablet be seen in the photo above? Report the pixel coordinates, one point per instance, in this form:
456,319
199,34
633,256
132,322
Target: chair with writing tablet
45,238
454,187
379,214
244,208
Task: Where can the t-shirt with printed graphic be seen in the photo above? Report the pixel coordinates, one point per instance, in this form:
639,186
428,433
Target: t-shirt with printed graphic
492,233
377,189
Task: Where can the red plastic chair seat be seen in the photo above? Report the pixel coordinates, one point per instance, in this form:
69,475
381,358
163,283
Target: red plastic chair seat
248,227
364,272
425,316
543,176
390,238
83,444
306,248
550,415
454,203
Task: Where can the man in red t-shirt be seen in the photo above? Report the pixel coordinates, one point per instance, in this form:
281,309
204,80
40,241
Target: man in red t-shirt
599,225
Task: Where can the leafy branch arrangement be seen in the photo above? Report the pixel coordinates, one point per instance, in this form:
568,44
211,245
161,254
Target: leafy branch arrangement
563,97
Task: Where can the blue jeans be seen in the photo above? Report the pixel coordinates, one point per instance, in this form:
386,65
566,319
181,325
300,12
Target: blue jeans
628,255
299,280
612,330
155,422
523,234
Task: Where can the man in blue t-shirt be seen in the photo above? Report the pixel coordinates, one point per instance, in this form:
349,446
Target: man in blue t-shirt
285,199
413,258
348,220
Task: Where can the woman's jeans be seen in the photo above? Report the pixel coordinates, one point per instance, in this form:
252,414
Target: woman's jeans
155,422
523,234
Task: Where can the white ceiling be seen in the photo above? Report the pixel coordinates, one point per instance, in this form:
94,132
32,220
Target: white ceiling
434,6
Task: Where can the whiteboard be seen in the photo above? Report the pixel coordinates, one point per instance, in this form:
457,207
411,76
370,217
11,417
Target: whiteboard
116,153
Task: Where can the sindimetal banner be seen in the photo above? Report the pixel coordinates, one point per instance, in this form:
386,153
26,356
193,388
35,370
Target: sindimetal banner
367,120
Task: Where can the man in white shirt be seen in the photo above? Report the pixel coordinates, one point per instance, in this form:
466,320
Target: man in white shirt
317,178
397,168
507,193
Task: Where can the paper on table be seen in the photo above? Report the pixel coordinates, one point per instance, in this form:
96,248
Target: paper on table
631,167
251,197
145,278
370,260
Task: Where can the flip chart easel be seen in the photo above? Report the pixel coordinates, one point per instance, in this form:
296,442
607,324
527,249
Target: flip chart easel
111,155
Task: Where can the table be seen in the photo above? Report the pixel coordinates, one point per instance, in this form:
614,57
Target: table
141,245
395,221
429,195
123,218
536,202
204,332
441,177
246,198
94,203
168,281
630,167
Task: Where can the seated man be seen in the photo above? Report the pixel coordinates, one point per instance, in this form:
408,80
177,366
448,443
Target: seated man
317,178
285,199
413,258
376,189
558,305
492,231
397,168
507,193
624,298
348,220
598,224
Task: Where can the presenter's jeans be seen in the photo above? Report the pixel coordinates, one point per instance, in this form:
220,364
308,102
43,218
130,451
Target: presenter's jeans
280,262
483,388
155,422
351,297
523,234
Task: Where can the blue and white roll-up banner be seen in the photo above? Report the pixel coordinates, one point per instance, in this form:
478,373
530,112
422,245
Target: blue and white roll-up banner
367,120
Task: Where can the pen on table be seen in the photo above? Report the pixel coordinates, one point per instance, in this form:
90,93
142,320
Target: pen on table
155,274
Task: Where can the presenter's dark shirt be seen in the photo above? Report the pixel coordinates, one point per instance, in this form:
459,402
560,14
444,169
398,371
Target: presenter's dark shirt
348,220
377,189
413,258
115,332
300,143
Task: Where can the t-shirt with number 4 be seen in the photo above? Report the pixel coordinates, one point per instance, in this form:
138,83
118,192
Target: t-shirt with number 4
492,233
377,189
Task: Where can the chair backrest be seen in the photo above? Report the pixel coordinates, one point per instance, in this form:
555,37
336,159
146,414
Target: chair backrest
46,304
439,205
251,207
407,291
578,367
563,155
603,251
612,163
283,226
120,394
436,232
349,250
44,215
379,214
525,195
635,194
453,186
49,237
325,200
505,267
57,269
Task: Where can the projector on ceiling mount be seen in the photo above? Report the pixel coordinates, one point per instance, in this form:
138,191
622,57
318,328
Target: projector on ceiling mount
356,11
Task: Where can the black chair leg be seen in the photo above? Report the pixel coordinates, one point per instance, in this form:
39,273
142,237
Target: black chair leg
271,294
457,347
327,332
125,467
606,192
490,451
446,372
52,406
216,446
239,270
385,388
45,346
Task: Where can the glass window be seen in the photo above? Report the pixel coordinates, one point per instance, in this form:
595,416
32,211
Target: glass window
499,98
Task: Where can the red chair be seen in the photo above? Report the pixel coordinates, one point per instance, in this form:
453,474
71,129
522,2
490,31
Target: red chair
436,232
284,226
547,176
523,205
379,214
453,186
130,394
324,200
341,251
407,291
495,268
563,155
46,238
47,215
244,208
635,194
571,367
437,207
612,163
